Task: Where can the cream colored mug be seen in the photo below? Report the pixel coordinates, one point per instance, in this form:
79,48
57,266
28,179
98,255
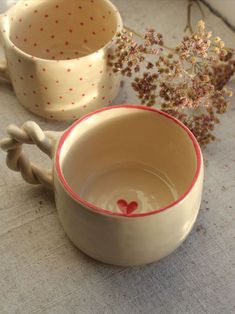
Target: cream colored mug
57,53
127,181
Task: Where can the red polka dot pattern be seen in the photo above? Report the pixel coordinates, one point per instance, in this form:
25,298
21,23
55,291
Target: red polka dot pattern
57,83
94,26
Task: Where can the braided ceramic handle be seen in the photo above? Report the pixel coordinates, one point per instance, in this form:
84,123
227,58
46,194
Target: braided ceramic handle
29,133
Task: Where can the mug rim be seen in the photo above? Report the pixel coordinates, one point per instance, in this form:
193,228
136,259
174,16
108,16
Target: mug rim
103,211
25,54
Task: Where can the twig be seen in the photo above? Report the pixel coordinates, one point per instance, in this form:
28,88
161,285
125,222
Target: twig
133,31
200,8
141,37
189,11
188,25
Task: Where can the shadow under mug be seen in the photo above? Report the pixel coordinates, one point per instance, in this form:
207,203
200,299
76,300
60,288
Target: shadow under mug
127,181
57,55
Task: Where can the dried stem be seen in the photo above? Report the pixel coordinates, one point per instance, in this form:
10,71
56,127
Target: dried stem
188,25
131,30
200,8
189,14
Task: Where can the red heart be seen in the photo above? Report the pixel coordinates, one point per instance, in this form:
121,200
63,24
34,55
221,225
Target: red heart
127,208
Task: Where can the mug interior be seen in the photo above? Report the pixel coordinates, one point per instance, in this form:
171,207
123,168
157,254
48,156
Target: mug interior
62,29
128,160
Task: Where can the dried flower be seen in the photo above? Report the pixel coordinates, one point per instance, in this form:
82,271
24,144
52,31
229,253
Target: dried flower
201,25
188,81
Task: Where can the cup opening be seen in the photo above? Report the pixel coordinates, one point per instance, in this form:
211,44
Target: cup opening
128,160
62,30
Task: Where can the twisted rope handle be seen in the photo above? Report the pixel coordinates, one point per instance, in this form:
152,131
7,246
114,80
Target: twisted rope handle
29,133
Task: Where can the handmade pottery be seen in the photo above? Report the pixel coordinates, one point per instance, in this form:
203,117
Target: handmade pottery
57,55
127,181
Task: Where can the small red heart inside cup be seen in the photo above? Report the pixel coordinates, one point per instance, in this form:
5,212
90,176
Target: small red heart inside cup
127,208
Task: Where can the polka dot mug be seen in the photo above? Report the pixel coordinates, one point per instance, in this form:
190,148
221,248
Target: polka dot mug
57,55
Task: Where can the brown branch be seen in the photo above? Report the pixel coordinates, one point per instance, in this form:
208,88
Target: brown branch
200,8
141,37
188,25
133,31
189,14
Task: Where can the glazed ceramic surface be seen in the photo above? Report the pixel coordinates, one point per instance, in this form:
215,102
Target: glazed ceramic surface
57,55
127,181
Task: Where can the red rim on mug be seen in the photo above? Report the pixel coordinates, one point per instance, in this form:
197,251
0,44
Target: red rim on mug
100,210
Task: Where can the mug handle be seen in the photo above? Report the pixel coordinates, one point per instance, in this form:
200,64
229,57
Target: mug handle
30,133
3,71
4,75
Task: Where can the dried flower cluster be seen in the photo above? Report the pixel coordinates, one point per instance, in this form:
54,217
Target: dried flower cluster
187,82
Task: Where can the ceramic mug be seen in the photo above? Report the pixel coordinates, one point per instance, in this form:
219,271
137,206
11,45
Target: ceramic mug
127,181
57,53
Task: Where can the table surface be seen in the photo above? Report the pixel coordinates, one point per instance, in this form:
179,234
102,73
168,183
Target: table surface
42,272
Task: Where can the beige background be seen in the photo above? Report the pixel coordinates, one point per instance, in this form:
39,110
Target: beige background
42,272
